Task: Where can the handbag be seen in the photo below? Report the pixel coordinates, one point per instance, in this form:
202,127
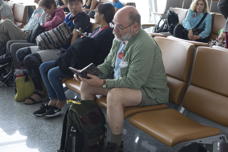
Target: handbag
55,38
24,87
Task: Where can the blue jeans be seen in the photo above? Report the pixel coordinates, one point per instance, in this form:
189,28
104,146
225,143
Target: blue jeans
52,77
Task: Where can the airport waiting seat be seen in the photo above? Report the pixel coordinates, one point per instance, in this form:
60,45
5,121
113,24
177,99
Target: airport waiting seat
181,12
207,96
177,61
177,58
20,12
193,42
101,100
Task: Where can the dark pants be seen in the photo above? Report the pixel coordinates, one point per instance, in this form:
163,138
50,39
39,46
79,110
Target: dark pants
181,32
31,61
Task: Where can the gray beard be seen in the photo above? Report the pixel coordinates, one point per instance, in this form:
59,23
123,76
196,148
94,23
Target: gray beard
125,37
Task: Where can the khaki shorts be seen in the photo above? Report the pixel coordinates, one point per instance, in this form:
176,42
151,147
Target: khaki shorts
146,101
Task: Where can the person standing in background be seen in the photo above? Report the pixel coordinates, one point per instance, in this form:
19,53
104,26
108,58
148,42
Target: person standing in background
223,7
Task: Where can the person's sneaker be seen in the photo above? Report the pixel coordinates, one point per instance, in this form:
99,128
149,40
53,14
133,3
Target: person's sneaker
42,111
112,147
52,112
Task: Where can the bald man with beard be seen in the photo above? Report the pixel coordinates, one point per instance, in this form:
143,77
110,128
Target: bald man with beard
133,74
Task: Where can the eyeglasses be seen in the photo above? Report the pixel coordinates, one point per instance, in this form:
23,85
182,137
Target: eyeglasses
118,26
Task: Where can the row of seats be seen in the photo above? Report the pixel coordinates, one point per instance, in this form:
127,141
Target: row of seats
218,23
197,76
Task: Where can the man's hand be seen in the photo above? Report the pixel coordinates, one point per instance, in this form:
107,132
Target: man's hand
93,80
76,77
222,37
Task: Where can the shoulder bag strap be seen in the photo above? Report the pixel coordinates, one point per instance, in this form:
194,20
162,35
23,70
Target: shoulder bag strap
204,16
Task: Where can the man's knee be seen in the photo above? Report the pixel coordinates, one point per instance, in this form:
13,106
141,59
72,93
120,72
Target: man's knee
32,60
21,53
52,74
114,97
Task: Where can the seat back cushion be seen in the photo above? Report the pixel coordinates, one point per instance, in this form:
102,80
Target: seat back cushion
208,93
181,13
177,58
20,14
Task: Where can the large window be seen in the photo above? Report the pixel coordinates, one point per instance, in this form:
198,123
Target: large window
147,9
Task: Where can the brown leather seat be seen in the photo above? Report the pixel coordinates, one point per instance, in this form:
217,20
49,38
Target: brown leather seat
219,48
101,100
193,42
170,127
181,12
208,93
207,96
20,12
177,58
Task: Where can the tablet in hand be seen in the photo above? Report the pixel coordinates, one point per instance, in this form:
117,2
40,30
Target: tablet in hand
89,69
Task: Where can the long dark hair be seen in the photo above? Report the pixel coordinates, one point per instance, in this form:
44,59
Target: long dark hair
107,10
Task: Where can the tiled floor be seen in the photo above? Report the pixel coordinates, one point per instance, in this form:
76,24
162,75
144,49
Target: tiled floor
20,131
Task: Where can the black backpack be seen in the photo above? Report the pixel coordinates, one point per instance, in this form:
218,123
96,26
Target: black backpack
83,128
167,23
38,29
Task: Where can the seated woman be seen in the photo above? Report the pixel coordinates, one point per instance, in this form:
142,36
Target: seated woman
93,48
30,58
9,31
197,24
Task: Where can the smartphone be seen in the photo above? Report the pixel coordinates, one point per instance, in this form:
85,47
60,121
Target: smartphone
89,69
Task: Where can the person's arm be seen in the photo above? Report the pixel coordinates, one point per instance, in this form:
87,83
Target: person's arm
187,19
207,28
222,34
93,4
106,67
55,21
137,72
186,24
226,26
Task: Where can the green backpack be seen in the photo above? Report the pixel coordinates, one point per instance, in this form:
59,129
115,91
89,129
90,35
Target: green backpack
83,128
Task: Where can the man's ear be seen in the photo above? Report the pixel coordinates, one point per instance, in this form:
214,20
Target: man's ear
136,27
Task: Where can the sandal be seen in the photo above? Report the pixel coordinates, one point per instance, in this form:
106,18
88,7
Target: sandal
36,97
